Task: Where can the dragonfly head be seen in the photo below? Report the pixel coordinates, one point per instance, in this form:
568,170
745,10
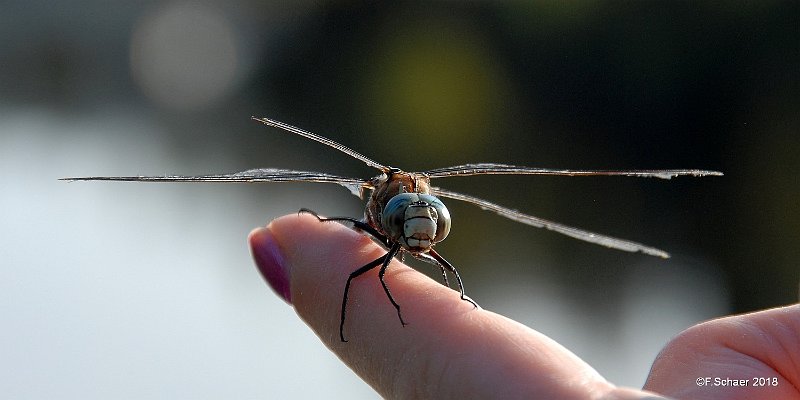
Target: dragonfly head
417,221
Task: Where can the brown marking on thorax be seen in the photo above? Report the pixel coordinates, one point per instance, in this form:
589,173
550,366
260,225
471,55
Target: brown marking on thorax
396,183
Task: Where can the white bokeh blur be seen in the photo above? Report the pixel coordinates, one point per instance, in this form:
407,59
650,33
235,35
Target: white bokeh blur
186,55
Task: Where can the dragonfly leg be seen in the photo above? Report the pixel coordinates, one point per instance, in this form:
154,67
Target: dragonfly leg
429,259
378,261
444,276
386,262
357,224
383,261
446,264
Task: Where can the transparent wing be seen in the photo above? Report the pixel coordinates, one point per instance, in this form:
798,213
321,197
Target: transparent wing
356,186
504,169
321,139
603,240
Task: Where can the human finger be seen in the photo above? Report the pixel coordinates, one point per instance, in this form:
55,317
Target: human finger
448,349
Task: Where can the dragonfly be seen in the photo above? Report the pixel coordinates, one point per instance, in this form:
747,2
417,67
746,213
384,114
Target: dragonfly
404,213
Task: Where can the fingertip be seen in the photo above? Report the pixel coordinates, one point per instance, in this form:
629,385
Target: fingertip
284,244
270,261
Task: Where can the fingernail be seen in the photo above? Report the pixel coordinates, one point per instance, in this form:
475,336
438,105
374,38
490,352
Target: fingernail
270,262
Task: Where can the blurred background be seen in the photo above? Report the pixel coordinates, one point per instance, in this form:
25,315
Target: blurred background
125,290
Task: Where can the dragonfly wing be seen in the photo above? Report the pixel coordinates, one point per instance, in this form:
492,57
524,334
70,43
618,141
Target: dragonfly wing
356,186
603,240
504,169
321,139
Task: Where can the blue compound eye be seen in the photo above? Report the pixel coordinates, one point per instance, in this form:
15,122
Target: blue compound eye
394,214
416,220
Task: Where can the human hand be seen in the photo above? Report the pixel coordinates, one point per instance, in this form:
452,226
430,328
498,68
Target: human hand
449,349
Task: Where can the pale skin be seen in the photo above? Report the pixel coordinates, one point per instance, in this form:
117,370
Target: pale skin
449,349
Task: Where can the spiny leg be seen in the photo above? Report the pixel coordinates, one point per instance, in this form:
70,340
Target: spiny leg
380,260
386,262
446,264
444,276
427,258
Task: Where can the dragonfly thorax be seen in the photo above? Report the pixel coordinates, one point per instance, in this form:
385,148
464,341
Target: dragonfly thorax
417,221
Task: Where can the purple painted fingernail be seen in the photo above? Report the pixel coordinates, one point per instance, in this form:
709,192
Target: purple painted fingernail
270,262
